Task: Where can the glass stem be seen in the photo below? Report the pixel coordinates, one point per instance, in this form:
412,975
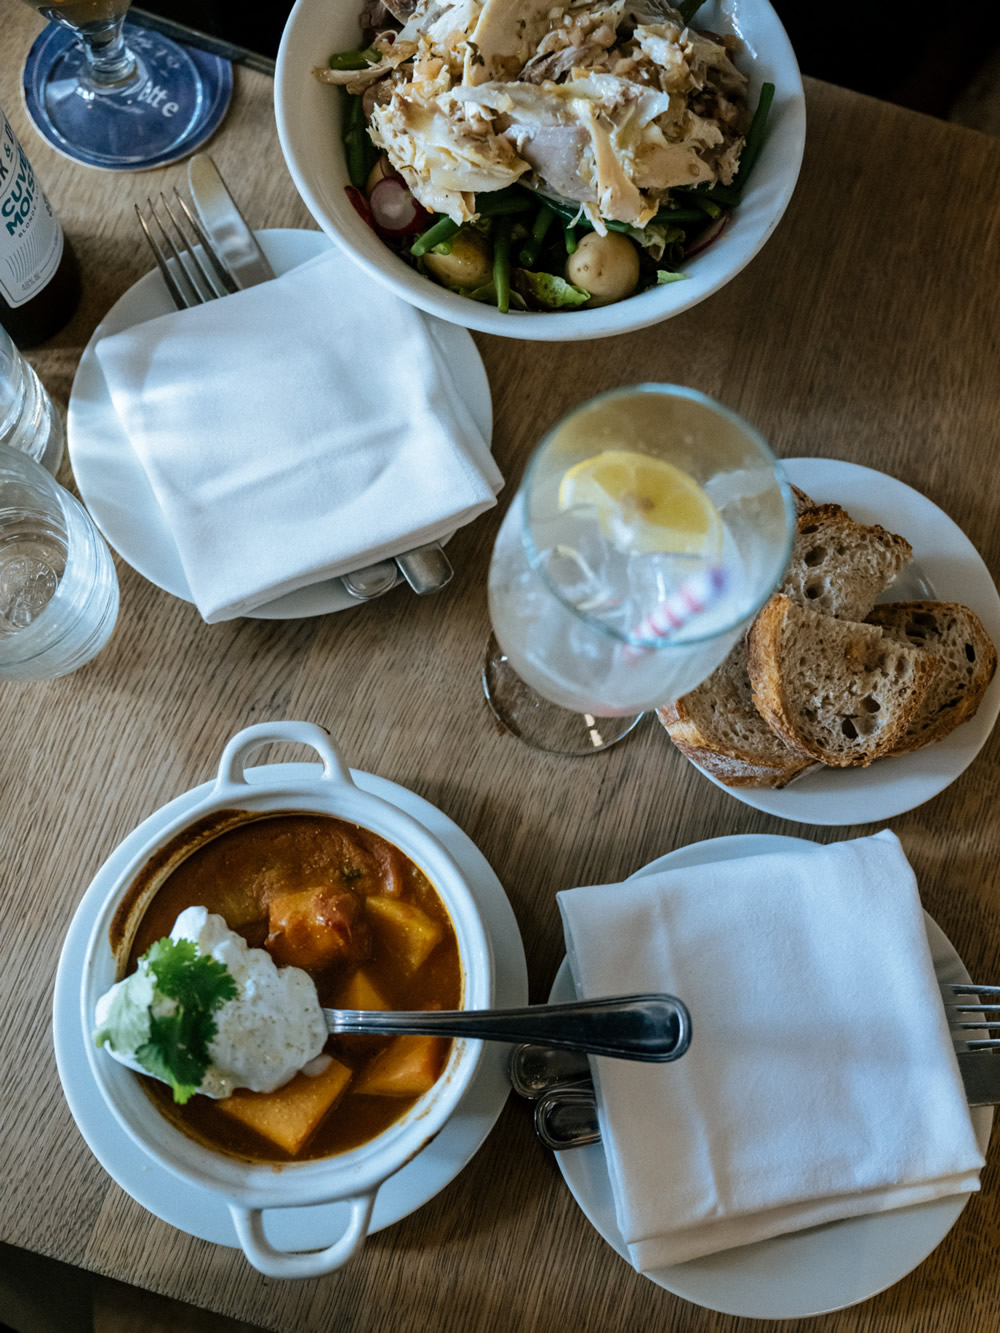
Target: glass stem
110,63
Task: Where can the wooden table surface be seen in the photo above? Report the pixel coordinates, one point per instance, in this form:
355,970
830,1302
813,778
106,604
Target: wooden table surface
866,330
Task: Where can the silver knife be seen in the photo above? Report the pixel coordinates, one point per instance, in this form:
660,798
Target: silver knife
226,225
427,569
980,1072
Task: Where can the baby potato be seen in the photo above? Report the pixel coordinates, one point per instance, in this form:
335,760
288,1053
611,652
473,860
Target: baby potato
468,264
605,266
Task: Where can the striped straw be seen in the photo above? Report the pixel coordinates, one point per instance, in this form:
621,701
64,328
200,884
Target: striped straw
692,598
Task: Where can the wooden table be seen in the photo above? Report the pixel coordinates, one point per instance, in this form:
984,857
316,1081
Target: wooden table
866,330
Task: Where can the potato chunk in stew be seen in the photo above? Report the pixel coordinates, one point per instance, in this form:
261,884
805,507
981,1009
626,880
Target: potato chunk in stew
408,1067
407,931
290,1116
315,928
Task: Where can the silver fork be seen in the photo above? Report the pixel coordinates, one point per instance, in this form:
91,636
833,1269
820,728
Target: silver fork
971,1014
196,285
190,283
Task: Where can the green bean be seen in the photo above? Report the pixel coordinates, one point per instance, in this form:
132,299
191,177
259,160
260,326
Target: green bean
442,230
709,207
354,59
500,204
569,237
501,260
539,230
674,216
355,138
755,136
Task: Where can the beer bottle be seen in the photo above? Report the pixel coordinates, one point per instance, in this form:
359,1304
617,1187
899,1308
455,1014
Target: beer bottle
39,277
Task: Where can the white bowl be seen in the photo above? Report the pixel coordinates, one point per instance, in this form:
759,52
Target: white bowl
308,118
352,1176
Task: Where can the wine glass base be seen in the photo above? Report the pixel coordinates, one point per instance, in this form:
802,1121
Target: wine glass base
523,712
181,103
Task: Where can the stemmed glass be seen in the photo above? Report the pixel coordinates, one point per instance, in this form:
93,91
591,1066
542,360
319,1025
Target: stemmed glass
105,100
651,525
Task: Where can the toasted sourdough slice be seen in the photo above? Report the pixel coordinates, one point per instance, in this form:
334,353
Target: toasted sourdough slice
955,636
843,692
837,565
717,727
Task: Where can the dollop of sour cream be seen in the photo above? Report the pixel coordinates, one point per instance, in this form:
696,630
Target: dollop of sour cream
273,1028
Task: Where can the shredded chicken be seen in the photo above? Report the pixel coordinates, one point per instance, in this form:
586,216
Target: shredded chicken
607,105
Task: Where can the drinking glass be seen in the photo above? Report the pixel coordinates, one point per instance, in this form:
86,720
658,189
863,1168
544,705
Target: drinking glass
29,420
58,588
108,101
651,525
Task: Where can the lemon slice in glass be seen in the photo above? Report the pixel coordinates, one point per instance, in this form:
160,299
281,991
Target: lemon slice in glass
644,504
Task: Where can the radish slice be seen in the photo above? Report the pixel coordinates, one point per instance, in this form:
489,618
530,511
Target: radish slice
360,203
394,210
706,238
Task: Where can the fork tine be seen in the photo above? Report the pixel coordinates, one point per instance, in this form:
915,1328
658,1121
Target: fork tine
179,297
208,246
197,296
186,249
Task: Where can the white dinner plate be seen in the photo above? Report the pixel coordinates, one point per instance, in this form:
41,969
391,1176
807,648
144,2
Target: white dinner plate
200,1212
807,1272
113,482
945,567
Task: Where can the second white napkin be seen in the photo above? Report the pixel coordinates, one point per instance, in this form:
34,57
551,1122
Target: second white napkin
820,1082
295,431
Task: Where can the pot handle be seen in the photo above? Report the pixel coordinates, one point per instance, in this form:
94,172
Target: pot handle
301,1263
250,739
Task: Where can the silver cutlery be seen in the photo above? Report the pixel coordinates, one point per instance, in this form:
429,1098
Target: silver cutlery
215,254
426,569
967,1013
565,1102
653,1028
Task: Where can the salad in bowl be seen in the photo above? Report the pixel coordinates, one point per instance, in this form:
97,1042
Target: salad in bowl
559,159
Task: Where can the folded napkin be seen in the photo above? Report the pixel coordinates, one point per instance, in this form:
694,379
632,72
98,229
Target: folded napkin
820,1082
298,430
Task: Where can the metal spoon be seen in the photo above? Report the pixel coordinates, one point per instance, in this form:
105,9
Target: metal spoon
627,1027
426,568
372,581
566,1117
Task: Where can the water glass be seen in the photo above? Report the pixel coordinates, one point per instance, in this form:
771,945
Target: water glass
651,525
29,420
58,587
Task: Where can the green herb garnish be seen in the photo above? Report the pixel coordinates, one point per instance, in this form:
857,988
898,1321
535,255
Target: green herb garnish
165,1016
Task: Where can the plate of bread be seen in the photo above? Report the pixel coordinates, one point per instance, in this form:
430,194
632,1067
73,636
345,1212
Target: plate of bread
865,685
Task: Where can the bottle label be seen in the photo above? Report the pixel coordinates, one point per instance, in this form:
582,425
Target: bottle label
31,239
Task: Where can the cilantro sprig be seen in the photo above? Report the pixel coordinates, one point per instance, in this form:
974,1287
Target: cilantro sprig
179,1007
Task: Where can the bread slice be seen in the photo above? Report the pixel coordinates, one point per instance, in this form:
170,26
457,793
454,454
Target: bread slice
843,692
839,566
836,564
717,727
955,636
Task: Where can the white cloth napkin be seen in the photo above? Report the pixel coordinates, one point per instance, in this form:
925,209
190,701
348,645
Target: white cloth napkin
820,1082
298,430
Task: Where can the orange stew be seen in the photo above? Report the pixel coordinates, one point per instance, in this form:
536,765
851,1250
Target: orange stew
369,928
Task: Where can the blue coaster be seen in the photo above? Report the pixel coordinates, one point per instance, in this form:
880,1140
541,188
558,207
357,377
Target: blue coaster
214,72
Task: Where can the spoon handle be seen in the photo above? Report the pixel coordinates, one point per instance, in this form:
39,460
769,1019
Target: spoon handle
627,1027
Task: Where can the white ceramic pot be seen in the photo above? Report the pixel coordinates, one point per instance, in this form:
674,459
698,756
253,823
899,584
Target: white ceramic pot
353,1176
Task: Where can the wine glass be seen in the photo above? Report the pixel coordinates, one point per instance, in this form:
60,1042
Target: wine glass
104,100
651,525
